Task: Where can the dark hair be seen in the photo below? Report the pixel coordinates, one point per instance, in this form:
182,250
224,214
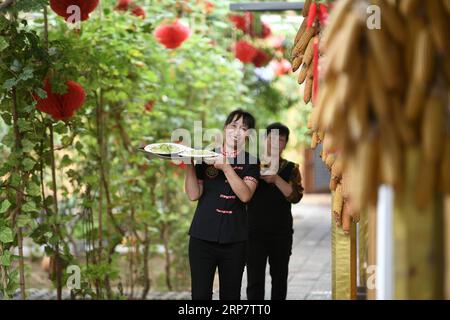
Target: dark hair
247,118
283,130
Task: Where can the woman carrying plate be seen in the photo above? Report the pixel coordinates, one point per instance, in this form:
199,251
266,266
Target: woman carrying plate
219,231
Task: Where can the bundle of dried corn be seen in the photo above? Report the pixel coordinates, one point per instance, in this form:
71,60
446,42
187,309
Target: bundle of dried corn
305,51
383,91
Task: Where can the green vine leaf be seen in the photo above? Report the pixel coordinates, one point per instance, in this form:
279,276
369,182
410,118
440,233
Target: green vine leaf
6,235
9,84
29,207
3,44
5,206
5,259
27,145
41,93
23,220
33,189
28,164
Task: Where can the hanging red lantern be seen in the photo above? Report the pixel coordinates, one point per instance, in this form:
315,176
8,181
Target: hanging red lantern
246,24
62,8
122,5
243,23
125,5
245,52
138,11
61,106
172,35
261,59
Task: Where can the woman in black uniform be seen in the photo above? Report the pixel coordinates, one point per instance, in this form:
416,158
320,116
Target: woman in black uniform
219,231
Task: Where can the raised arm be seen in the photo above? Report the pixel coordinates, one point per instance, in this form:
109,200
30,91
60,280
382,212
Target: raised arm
243,188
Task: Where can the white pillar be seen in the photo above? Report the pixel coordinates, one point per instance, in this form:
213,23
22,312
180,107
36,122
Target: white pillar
384,247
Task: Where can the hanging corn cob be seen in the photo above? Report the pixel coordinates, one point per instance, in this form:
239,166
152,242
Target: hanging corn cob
305,50
382,91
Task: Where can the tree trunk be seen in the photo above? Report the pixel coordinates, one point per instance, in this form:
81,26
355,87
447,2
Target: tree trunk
146,257
168,266
19,195
55,213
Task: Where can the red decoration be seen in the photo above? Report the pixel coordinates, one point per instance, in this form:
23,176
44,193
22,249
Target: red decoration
60,7
138,11
245,52
312,15
125,5
281,67
149,106
61,106
172,35
323,14
177,164
245,23
261,59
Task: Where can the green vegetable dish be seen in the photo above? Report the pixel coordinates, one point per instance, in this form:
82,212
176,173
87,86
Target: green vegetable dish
165,148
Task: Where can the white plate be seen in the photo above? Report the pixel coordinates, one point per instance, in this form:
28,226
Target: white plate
154,148
209,154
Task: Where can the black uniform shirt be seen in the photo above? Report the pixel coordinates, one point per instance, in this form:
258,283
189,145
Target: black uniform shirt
220,215
269,211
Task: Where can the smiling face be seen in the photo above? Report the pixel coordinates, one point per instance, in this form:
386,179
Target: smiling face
235,133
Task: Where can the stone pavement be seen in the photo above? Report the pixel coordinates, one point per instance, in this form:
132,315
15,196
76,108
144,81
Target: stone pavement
310,264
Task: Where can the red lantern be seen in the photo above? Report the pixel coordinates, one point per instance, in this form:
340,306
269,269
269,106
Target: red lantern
61,106
261,59
245,52
138,11
122,5
243,23
125,5
62,8
172,35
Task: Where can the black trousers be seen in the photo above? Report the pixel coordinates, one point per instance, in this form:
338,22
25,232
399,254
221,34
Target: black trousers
277,250
205,257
